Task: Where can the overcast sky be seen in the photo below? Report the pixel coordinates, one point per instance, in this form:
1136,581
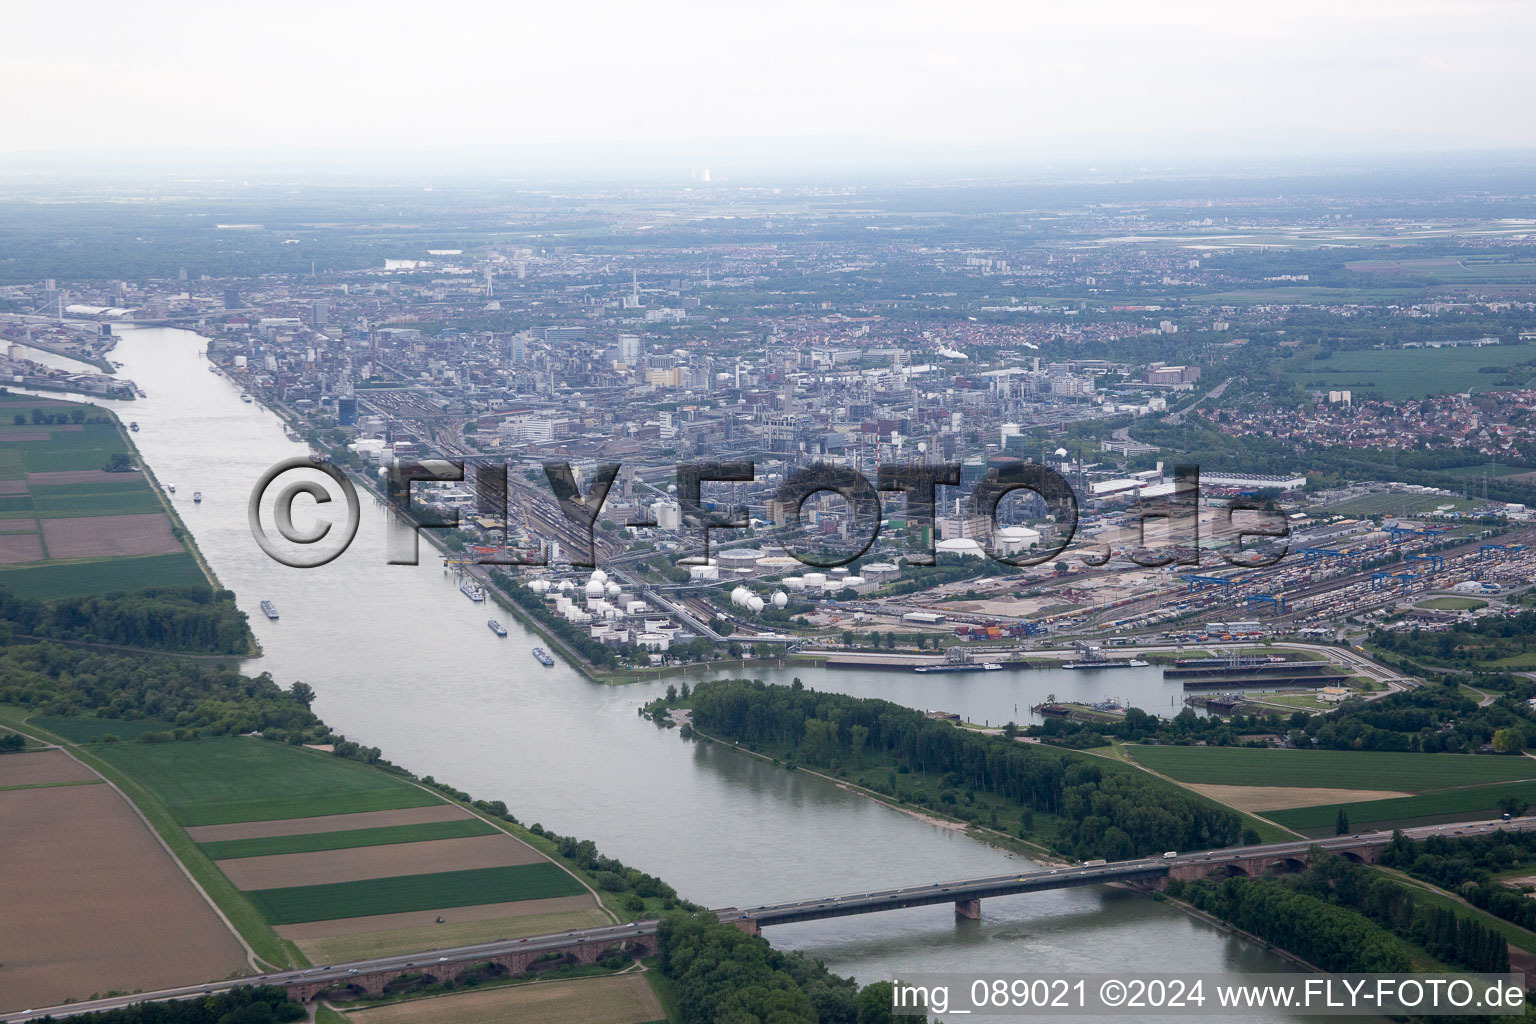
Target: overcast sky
1049,80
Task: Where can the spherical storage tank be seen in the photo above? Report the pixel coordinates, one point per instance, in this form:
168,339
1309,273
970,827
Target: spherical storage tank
755,603
739,596
594,588
780,599
539,586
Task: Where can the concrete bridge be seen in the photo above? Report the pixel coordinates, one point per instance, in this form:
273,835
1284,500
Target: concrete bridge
967,894
586,946
507,958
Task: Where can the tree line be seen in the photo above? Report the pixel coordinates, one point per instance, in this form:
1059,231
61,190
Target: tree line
721,974
194,697
249,1004
1469,866
188,619
1103,809
1436,718
1343,916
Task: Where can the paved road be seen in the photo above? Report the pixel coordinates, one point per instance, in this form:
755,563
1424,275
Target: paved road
797,910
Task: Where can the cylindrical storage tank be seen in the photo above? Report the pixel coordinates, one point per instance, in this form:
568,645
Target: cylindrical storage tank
815,579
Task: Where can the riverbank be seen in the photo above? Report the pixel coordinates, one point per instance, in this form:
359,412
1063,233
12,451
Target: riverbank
101,362
397,655
990,836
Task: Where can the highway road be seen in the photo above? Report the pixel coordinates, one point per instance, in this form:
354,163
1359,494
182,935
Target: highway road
812,909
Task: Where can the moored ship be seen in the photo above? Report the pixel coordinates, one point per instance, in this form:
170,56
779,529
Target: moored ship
958,660
472,591
543,657
1093,656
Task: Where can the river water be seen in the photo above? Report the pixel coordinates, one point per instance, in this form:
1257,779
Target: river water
401,660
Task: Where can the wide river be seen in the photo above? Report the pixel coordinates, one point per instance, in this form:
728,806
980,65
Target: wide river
401,660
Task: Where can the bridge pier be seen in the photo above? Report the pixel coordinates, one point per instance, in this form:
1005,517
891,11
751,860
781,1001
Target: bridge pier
969,909
748,925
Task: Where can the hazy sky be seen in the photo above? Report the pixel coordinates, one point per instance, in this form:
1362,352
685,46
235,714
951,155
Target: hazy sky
1056,79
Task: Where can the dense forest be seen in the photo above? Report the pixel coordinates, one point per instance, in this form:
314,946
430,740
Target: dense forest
1103,810
721,974
1436,718
194,697
1328,936
188,619
1343,916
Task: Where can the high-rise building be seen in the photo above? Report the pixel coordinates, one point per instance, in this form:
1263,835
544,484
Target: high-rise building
629,349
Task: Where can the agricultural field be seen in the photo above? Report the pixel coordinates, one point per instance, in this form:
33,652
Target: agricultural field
90,730
447,889
362,938
127,919
1436,270
1331,769
338,858
1302,790
50,580
69,527
316,842
228,779
1447,805
1397,373
614,1000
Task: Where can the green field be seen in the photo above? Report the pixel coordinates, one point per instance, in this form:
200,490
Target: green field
229,779
1397,373
84,446
87,448
1330,769
130,496
389,836
1446,805
414,892
1453,604
1395,504
48,581
1493,269
80,729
